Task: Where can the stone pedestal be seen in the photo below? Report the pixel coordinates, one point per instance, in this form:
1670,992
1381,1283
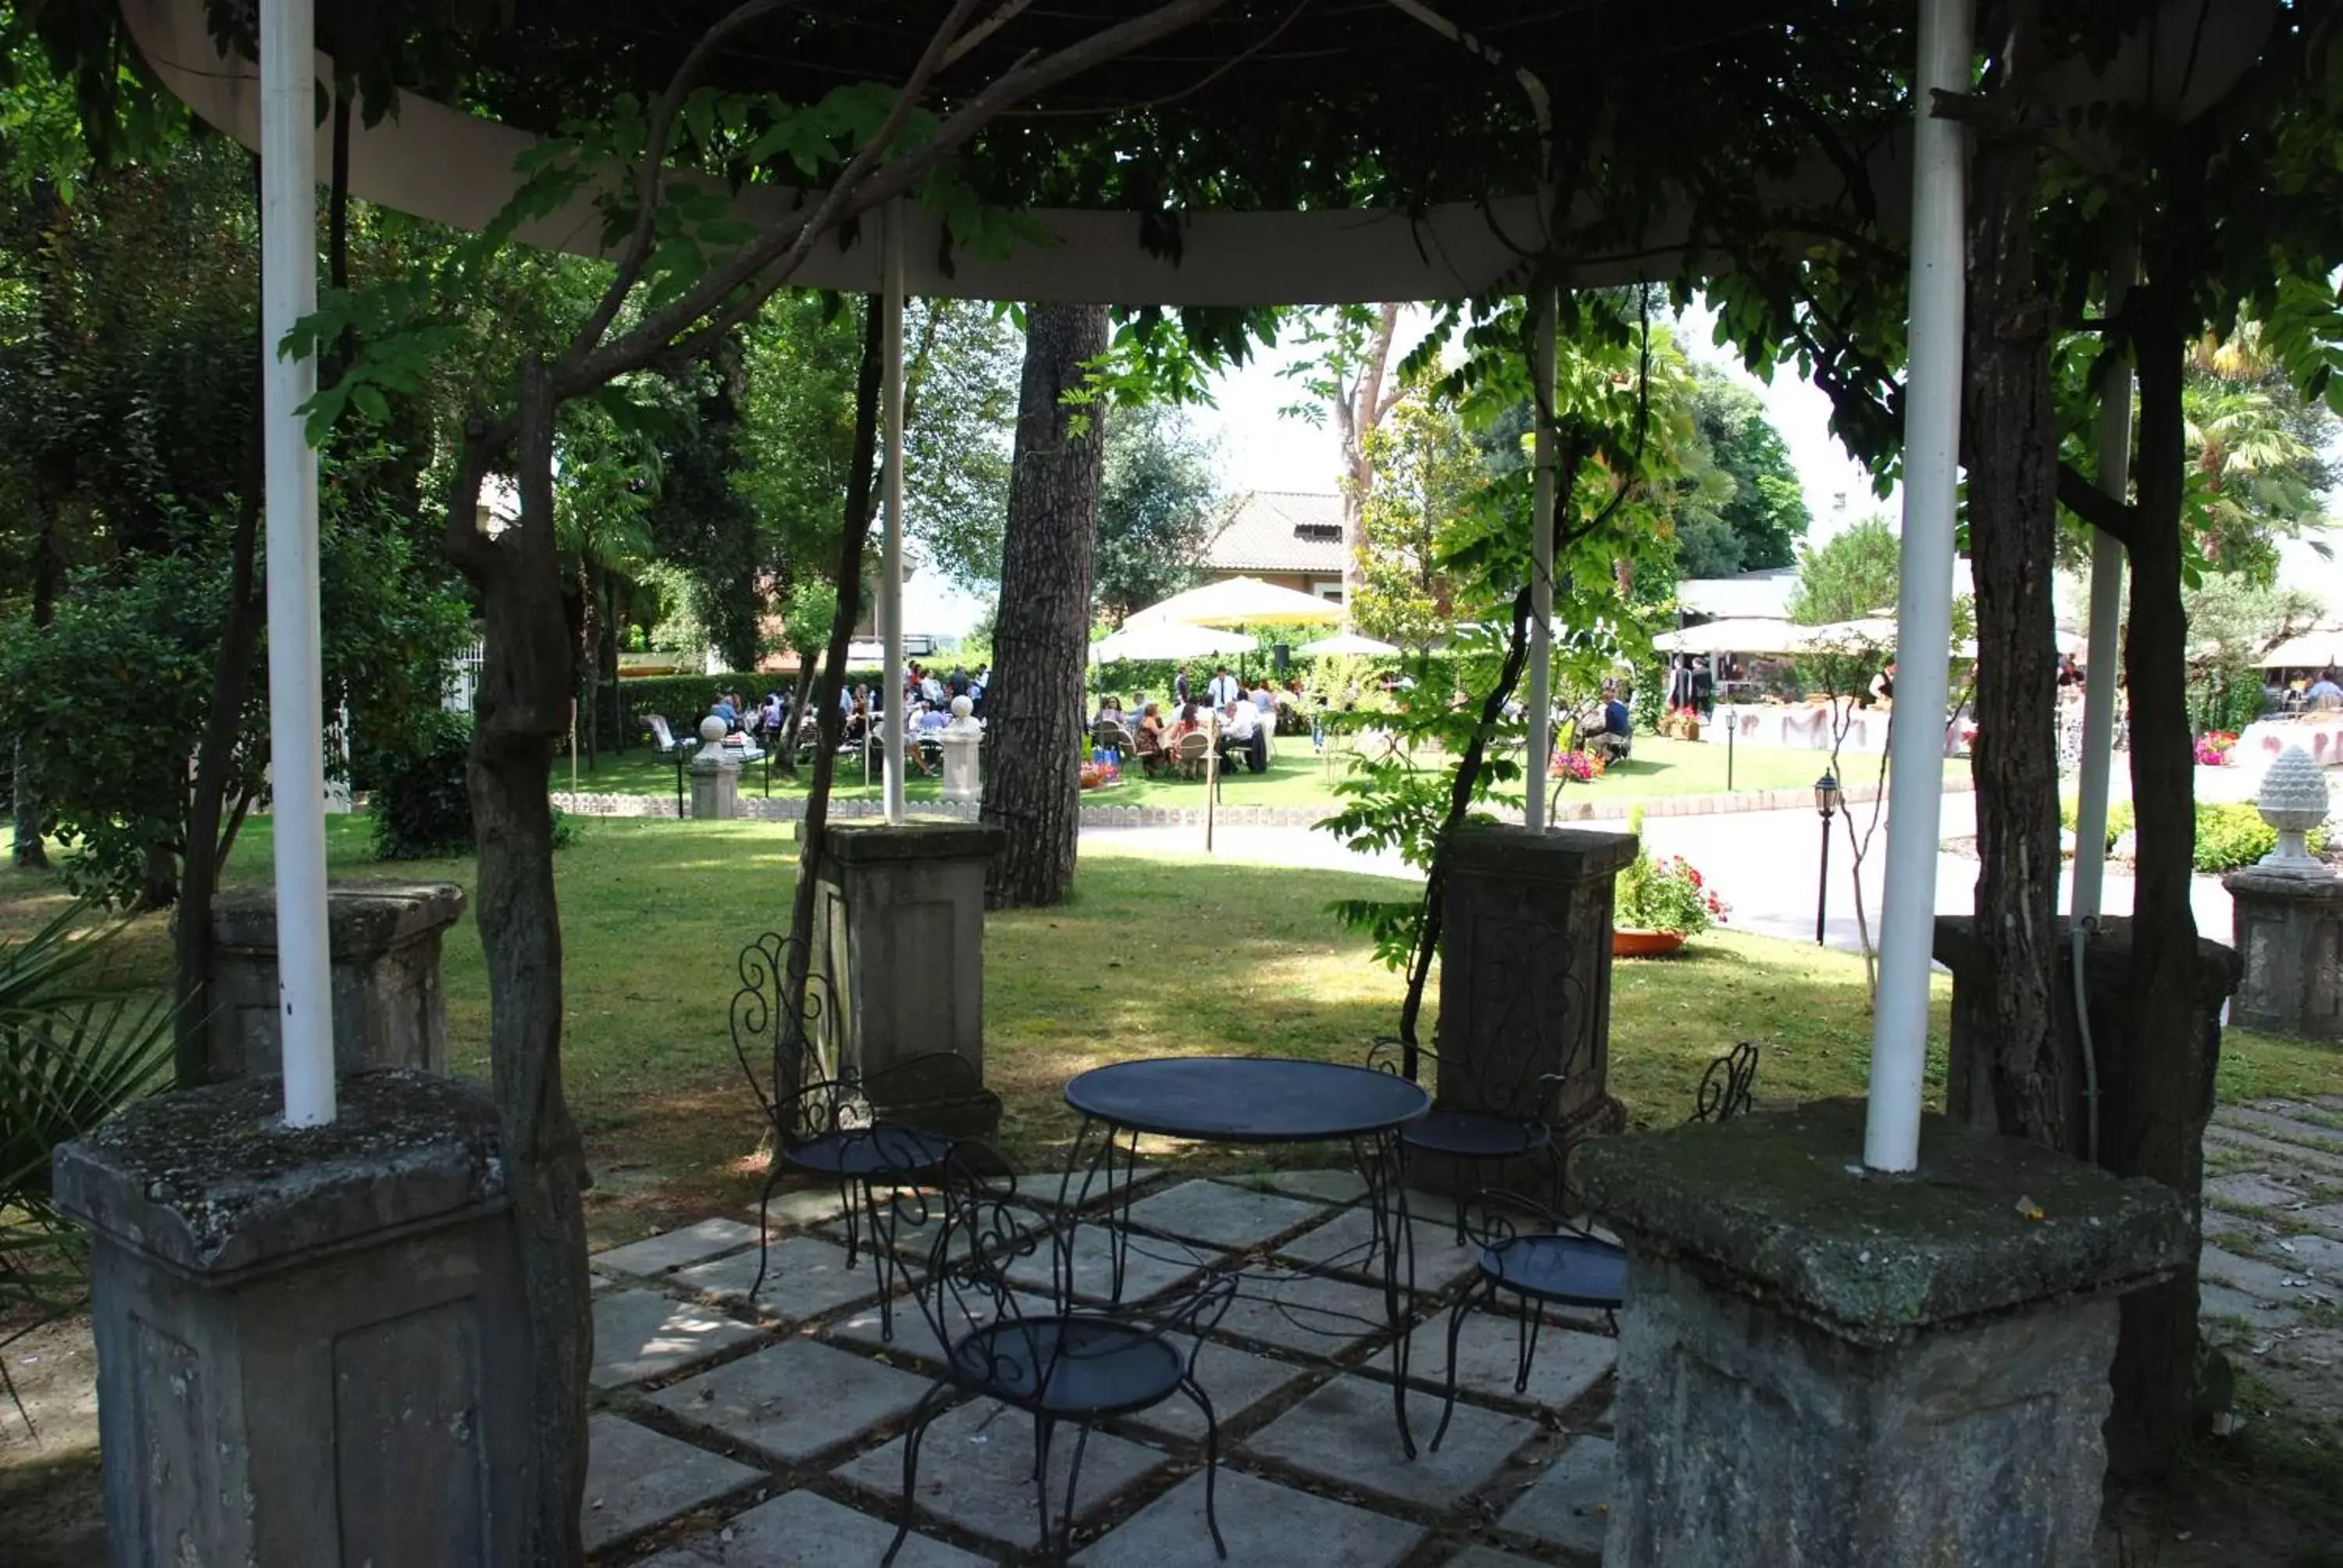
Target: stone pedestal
1820,1367
2107,969
389,1008
1525,972
715,785
961,740
313,1346
899,931
2288,926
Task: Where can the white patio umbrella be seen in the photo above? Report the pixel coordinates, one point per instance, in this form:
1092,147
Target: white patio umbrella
1242,601
1741,634
1346,642
2311,650
1167,640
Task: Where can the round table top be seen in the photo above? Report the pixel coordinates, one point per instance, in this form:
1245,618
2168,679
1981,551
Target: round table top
1247,1099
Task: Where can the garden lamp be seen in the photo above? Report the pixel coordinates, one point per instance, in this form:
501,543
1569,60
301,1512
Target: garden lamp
1828,798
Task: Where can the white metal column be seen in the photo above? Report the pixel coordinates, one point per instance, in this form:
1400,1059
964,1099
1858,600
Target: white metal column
891,582
1932,421
288,286
1541,699
2104,651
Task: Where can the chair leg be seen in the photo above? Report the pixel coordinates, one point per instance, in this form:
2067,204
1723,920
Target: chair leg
883,1259
1456,1330
853,1216
1073,1483
1043,1428
764,1228
1195,1391
921,1413
1532,1320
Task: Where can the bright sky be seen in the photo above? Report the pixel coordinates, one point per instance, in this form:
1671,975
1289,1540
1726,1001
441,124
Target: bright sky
1260,450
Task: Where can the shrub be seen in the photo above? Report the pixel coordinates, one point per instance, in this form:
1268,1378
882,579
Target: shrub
420,807
2229,835
2233,835
1667,895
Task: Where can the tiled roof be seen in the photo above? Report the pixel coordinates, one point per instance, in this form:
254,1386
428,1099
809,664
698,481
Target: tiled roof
1281,531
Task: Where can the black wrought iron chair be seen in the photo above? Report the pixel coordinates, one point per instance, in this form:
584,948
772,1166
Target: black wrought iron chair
1564,1263
823,1117
1517,1123
1057,1362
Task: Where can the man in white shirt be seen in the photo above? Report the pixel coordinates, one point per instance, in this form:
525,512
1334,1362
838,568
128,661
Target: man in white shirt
1240,732
1225,688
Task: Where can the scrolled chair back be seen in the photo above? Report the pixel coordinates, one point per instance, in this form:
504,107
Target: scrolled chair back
792,1052
1726,1085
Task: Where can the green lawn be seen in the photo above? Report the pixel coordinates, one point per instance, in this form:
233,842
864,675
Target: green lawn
1154,955
1297,777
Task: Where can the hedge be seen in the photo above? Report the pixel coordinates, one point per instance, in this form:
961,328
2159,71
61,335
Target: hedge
2230,834
421,807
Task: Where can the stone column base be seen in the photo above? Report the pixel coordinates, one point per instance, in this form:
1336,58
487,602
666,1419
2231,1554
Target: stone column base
389,1008
715,788
313,1346
898,932
1820,1366
2288,927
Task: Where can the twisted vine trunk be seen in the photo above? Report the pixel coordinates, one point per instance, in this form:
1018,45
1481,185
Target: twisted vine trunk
2157,1102
1033,707
2011,443
523,712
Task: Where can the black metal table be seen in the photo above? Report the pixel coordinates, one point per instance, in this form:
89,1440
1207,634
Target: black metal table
1258,1100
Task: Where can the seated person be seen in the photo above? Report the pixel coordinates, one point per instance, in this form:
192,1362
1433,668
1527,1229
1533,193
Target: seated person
1618,730
1241,731
2323,692
1189,723
1149,739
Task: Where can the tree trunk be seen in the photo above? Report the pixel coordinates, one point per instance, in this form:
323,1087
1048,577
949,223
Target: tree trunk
830,722
1356,418
211,831
2156,1104
1034,705
26,850
2012,442
523,711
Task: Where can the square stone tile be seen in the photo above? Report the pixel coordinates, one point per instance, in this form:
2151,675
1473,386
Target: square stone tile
795,1400
1217,1212
1567,1363
1154,1263
1346,1433
637,1478
2215,1301
807,1530
915,1342
2316,1255
1233,1380
641,1335
1045,1186
1569,1506
914,1220
1333,1186
1263,1523
692,1245
1346,1244
1319,1317
976,1470
2254,1276
1477,1557
800,1207
806,1277
2250,1190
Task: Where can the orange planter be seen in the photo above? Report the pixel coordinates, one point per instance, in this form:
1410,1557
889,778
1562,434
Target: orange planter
1644,944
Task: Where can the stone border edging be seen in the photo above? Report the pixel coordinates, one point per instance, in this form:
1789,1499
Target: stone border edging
792,809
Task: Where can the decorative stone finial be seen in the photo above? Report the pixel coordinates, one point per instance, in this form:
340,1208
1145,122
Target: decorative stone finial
961,707
2293,800
711,730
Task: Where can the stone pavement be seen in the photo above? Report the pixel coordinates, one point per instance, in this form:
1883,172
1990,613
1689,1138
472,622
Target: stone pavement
756,1433
2272,1267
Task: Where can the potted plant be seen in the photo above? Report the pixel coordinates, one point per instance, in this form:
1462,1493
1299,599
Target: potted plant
1658,904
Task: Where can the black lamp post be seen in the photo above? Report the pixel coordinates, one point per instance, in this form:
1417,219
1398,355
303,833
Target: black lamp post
1827,800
